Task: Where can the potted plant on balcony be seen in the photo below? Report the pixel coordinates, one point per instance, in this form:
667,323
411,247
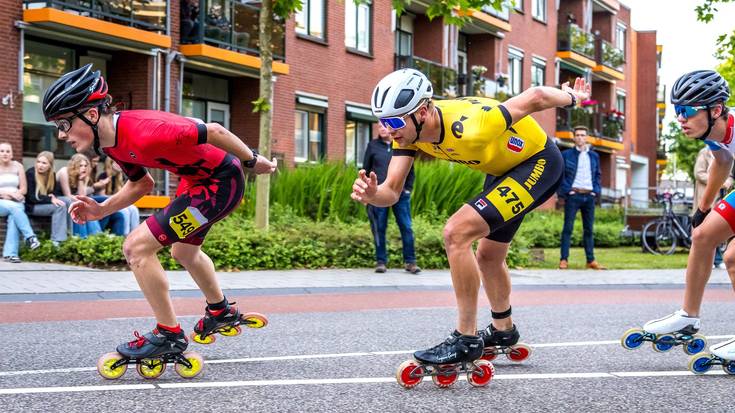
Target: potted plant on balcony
612,127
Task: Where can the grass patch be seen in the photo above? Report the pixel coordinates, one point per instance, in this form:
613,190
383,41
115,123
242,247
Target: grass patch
621,258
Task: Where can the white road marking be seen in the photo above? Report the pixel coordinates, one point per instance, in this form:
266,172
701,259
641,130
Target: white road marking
353,380
323,356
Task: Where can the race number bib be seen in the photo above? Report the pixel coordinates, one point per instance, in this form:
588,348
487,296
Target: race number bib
510,198
187,222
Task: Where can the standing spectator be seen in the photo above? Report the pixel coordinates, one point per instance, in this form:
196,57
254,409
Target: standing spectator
41,199
112,177
74,179
579,188
12,194
377,158
701,172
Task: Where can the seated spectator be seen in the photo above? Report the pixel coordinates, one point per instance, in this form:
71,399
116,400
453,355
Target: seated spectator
41,199
74,180
109,182
114,222
12,195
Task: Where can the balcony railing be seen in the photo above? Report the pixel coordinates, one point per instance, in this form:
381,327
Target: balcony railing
228,24
503,13
572,38
600,125
142,14
610,56
444,79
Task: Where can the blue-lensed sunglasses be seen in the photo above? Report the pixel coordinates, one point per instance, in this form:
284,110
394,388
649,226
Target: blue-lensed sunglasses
393,123
687,111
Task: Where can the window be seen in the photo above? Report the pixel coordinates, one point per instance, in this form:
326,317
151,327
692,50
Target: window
519,5
538,72
308,136
310,20
515,71
538,10
404,41
43,64
357,136
463,79
620,37
620,106
357,25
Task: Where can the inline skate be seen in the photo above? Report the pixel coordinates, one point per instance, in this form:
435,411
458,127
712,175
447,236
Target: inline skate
498,342
226,323
721,354
677,329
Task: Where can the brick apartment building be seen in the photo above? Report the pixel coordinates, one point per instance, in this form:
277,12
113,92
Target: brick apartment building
199,58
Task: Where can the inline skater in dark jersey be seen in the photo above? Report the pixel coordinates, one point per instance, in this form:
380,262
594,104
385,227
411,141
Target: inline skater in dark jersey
208,159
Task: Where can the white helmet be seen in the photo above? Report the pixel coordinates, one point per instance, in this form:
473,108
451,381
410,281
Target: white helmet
400,92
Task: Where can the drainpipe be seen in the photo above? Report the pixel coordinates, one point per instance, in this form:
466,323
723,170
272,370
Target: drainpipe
154,84
167,81
21,25
182,60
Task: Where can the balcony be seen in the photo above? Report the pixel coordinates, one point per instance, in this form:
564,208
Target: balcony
227,24
604,129
610,61
136,23
444,79
576,45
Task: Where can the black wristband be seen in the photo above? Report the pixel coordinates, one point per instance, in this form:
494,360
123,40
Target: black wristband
574,101
251,162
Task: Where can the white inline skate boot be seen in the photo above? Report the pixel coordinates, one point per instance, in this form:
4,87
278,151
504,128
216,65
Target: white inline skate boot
721,354
666,333
678,322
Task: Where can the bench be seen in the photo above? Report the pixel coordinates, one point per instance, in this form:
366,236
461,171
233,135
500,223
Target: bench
148,204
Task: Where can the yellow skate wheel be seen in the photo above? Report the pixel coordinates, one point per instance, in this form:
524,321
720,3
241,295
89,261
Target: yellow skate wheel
203,340
197,364
104,366
151,368
230,331
254,320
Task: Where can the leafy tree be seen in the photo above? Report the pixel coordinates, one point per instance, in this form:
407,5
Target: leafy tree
725,42
452,11
684,149
727,70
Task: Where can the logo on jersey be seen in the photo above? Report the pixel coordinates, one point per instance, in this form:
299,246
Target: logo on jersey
458,127
515,144
132,155
187,222
480,204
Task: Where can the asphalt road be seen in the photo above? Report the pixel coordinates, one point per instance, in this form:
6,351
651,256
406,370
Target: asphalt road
330,352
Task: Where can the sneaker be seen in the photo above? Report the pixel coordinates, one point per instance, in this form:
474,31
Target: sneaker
380,268
33,242
413,268
594,265
563,265
14,260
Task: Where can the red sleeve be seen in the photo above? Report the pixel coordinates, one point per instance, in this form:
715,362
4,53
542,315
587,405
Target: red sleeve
132,171
182,132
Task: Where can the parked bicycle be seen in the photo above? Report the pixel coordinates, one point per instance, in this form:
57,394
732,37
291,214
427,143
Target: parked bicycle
662,235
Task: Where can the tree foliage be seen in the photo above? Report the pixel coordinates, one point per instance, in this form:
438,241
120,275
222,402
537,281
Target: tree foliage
726,41
727,70
684,149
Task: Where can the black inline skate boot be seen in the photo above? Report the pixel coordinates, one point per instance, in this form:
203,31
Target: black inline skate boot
457,348
503,342
156,343
444,362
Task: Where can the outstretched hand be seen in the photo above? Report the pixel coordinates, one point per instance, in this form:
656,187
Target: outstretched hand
264,166
85,209
365,187
581,90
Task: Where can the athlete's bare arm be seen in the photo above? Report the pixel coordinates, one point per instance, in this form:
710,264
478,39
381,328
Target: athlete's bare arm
366,188
540,98
719,171
222,138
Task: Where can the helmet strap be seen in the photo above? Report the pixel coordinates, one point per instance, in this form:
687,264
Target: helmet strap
95,132
418,126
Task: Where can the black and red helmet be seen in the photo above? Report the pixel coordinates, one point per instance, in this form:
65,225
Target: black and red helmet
76,91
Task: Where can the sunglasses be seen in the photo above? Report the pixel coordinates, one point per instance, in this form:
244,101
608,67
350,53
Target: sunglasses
64,124
687,111
398,122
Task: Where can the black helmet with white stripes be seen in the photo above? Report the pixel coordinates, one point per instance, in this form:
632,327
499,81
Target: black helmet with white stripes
700,87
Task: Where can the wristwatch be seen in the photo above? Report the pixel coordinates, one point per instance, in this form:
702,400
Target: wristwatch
251,163
574,101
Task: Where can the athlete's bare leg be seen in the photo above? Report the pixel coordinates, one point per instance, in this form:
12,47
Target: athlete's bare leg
201,268
495,278
705,238
462,229
729,259
140,248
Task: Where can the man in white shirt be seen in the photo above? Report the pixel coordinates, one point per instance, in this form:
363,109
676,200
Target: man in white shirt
580,187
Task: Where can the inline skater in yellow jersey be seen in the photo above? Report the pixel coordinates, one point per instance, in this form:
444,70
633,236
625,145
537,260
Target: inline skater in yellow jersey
523,167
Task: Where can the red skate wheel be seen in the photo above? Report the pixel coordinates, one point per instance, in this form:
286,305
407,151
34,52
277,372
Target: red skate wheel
482,373
409,374
446,376
489,354
519,352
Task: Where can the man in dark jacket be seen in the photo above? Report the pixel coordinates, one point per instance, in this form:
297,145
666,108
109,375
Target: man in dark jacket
377,158
580,187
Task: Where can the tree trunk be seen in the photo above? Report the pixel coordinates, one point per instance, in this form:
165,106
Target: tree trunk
262,196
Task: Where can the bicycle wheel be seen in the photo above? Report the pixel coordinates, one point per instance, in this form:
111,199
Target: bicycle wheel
648,237
666,238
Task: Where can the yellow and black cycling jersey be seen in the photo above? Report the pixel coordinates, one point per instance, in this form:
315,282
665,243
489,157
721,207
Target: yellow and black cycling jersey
477,132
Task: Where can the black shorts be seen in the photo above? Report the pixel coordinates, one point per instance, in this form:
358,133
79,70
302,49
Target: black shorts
506,199
199,204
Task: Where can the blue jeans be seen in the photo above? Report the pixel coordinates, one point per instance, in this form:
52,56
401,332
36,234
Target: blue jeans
17,221
87,229
115,222
586,204
379,223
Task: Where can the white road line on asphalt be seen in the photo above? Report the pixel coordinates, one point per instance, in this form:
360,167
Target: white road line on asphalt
323,356
353,380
